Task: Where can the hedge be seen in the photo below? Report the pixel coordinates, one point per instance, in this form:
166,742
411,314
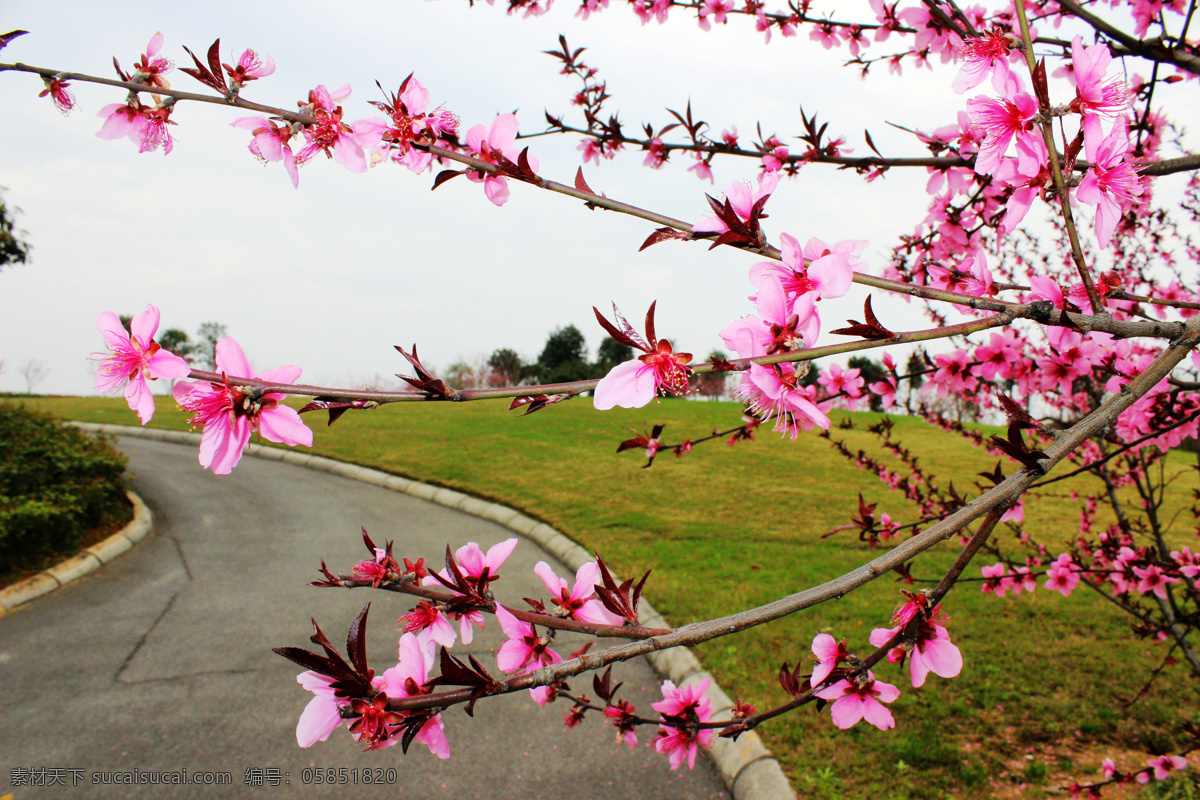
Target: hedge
57,483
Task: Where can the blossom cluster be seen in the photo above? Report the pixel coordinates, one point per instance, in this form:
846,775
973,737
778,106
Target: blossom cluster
229,410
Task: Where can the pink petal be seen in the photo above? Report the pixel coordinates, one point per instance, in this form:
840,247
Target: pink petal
887,692
847,711
156,43
283,424
554,584
433,736
319,719
876,714
943,658
629,385
415,97
475,137
118,124
513,655
496,190
231,360
594,611
145,325
880,635
831,275
792,253
285,374
350,155
115,335
222,449
513,628
824,647
503,134
498,554
165,364
138,395
918,669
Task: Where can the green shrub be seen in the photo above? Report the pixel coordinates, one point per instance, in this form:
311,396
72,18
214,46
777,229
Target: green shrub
56,484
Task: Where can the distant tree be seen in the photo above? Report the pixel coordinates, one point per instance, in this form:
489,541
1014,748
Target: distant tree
564,358
34,371
179,343
505,366
712,384
916,363
126,322
871,372
13,248
207,336
461,375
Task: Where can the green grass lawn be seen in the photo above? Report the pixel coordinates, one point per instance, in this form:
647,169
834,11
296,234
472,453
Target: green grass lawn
1040,700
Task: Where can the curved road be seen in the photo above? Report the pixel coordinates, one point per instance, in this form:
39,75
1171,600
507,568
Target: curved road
161,660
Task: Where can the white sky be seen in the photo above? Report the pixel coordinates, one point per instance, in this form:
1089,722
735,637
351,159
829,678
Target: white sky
329,277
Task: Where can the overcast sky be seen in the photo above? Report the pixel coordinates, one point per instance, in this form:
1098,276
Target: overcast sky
330,276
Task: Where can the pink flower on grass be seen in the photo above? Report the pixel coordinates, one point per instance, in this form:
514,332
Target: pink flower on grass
1152,580
932,650
861,698
773,392
828,652
579,602
635,383
996,581
683,709
231,413
134,357
1061,575
1162,767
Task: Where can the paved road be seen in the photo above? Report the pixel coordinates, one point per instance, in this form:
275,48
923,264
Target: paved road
162,660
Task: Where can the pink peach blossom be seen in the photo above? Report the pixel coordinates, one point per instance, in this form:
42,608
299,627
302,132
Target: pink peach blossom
859,699
135,356
231,413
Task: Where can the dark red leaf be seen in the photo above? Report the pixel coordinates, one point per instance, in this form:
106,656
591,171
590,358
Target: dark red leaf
661,235
870,330
1015,413
650,337
444,176
580,183
8,37
356,640
537,402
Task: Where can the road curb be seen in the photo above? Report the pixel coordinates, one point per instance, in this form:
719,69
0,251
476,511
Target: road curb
746,765
87,561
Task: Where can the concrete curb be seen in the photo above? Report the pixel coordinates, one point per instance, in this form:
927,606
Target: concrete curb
746,765
87,561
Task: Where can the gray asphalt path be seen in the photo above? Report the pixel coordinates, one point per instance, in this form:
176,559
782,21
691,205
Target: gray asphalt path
161,661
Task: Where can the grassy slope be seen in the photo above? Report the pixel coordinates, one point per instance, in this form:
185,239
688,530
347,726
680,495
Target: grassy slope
727,528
